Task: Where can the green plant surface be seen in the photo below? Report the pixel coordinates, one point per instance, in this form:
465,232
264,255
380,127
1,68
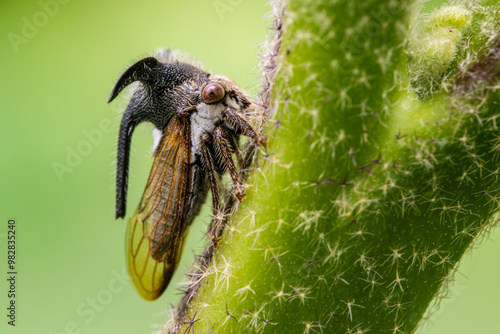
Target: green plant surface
381,171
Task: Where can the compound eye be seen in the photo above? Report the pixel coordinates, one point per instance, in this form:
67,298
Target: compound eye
212,93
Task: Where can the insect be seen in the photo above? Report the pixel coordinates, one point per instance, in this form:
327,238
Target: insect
198,118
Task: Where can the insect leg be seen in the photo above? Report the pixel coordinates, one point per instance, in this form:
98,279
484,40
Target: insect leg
223,150
242,124
209,168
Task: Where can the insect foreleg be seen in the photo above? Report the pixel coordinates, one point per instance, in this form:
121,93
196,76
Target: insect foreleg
223,149
209,168
242,124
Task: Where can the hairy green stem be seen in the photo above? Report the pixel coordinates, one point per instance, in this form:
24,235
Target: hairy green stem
382,170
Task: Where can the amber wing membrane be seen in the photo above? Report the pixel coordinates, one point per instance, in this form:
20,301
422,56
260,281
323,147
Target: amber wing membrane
156,231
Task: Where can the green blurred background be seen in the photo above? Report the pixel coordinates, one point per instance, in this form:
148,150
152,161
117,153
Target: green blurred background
53,91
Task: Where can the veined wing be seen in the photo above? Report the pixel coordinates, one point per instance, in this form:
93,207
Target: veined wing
155,233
